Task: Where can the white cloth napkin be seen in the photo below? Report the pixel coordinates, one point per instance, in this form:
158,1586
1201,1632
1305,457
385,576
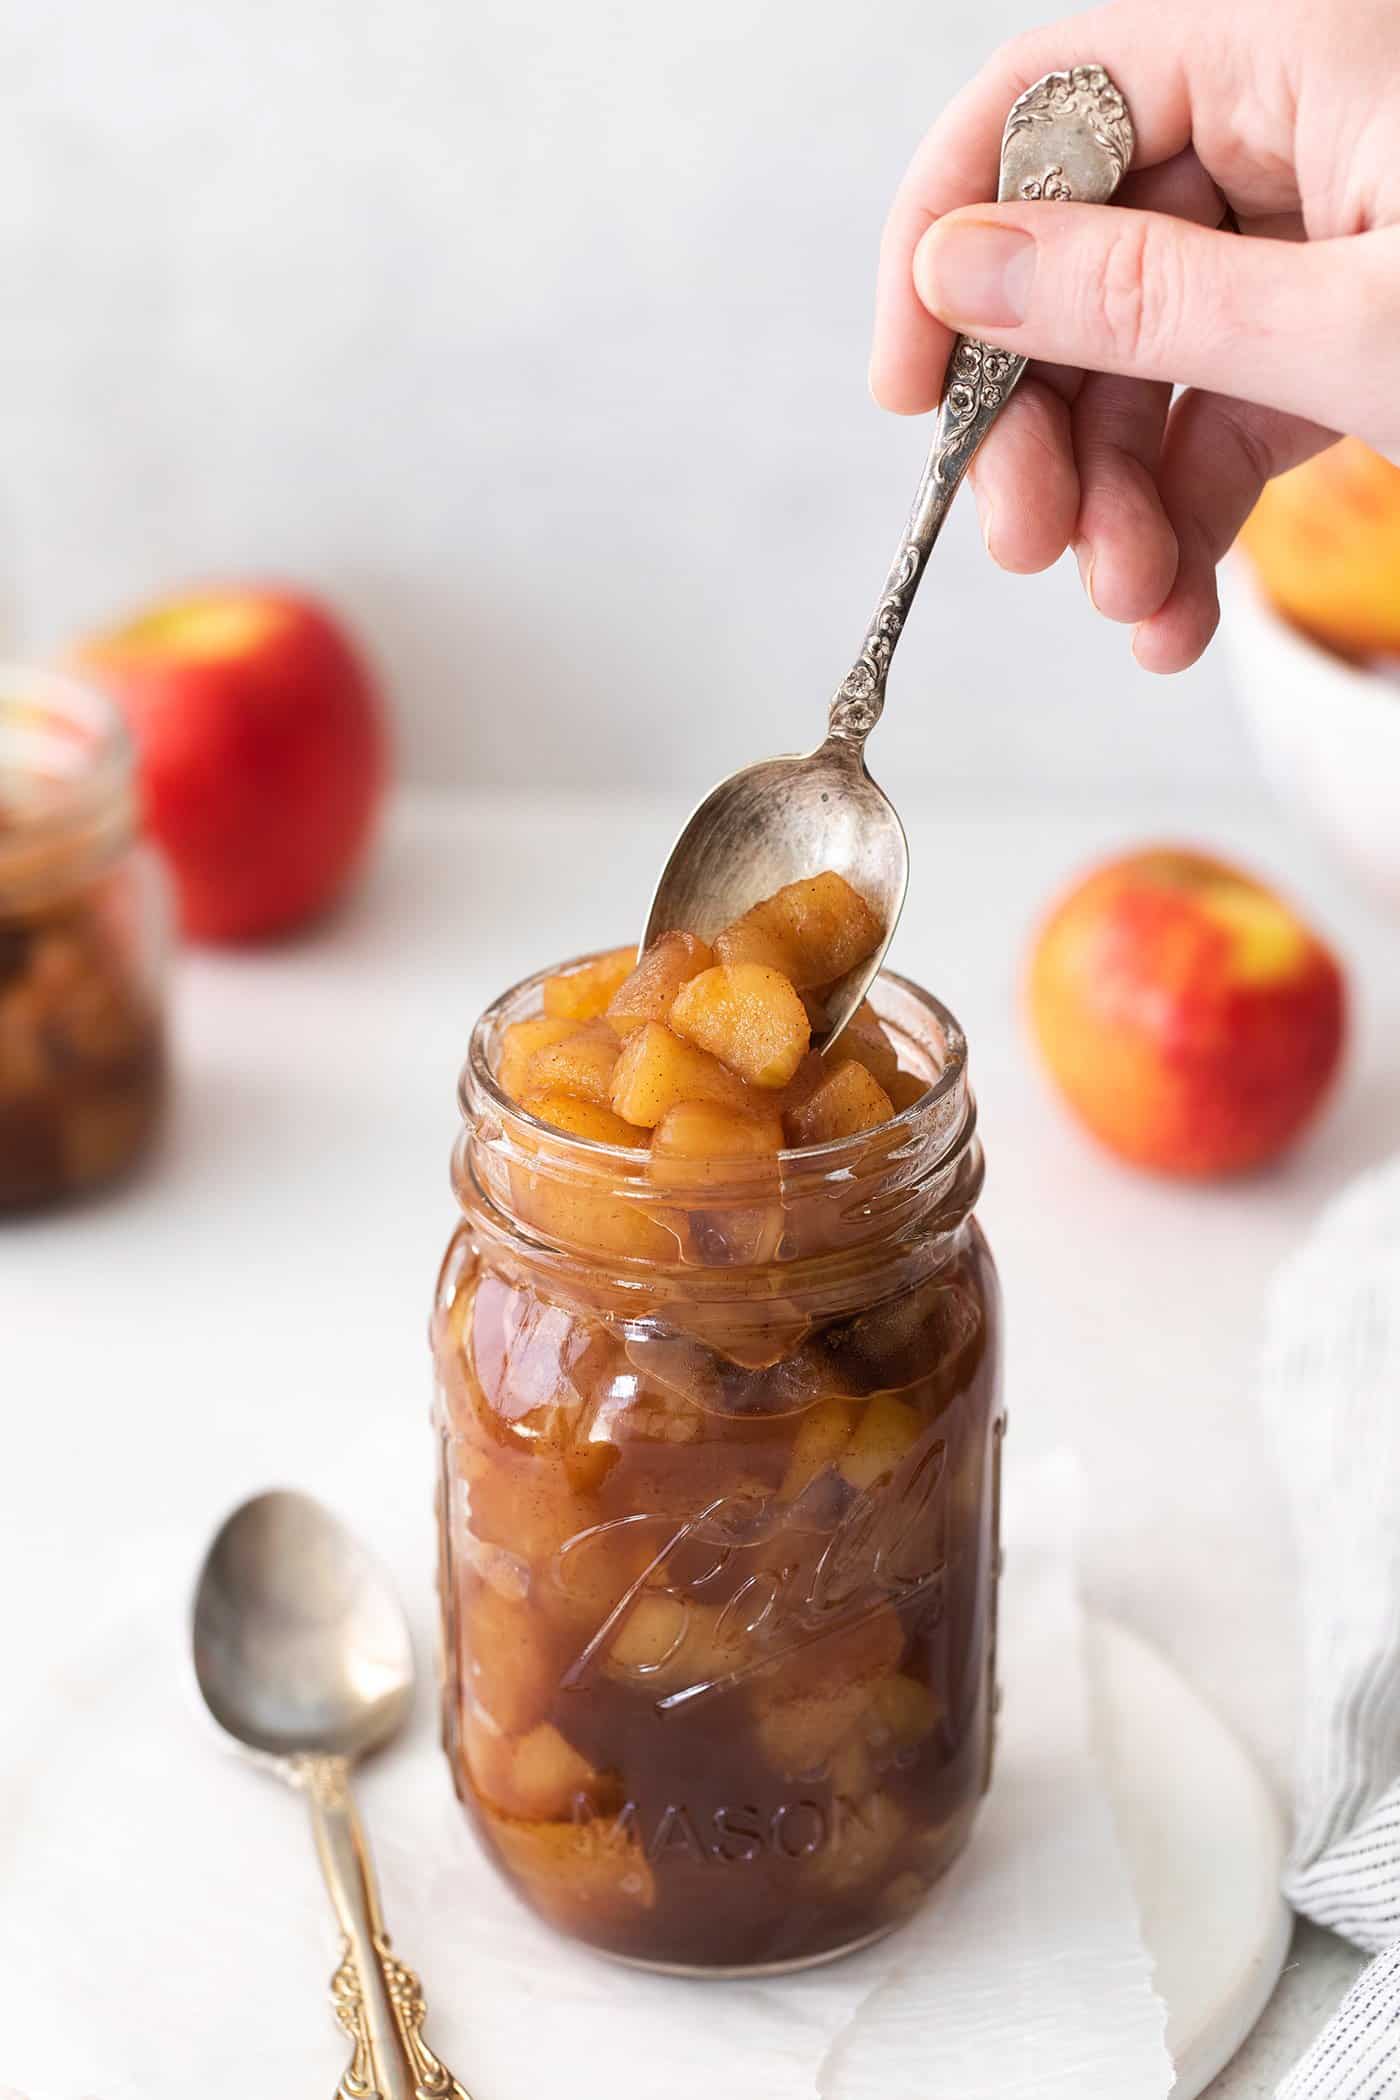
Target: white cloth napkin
1331,1388
163,1933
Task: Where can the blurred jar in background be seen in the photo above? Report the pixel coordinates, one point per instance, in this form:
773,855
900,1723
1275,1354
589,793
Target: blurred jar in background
83,939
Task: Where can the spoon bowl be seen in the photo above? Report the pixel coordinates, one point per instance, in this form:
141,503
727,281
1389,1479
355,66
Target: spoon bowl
300,1644
780,821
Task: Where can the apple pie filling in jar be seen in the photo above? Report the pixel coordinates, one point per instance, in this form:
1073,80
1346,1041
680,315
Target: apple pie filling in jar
82,945
718,1516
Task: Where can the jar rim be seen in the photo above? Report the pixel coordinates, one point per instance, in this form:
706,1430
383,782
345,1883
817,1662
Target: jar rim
66,778
478,1085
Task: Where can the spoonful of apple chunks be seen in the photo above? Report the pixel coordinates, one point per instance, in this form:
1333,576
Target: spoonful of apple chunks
704,1051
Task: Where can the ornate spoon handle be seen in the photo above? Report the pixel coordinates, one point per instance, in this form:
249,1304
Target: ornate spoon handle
1069,136
377,2001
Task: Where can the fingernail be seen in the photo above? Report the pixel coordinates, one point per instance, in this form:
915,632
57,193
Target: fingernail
975,275
1084,555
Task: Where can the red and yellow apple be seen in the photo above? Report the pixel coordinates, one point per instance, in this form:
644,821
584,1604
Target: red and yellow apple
261,749
1186,1013
1325,544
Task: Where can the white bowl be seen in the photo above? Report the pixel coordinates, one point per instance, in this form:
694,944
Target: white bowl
1327,734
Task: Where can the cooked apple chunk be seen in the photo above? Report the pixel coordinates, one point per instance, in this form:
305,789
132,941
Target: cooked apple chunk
902,1712
819,1443
865,1040
539,1775
695,1133
814,1696
848,1099
585,1213
907,1088
583,994
519,1044
814,931
514,1675
579,1874
582,1065
585,1119
887,1430
657,1070
747,1016
648,992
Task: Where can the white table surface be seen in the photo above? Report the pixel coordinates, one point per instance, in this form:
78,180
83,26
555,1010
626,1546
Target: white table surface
255,1299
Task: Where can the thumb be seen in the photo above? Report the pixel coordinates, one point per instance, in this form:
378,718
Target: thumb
1311,327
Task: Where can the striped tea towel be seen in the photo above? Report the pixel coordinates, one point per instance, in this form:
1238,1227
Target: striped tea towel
1331,1388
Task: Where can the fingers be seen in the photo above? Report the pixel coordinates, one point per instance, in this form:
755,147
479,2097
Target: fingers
957,164
1035,460
1149,296
1124,542
1216,457
1033,453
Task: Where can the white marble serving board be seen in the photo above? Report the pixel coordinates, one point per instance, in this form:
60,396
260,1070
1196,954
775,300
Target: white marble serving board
1205,1844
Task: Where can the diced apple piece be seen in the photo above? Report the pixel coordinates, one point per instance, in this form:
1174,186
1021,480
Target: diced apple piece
588,1581
581,1875
651,1636
579,1214
584,994
849,1099
537,1776
814,931
852,1770
514,1671
797,1735
528,1507
886,1429
906,1089
666,1643
519,1044
582,1064
821,1439
585,1119
903,1711
648,992
865,1837
747,1016
698,1142
813,1698
702,1153
864,1039
657,1070
803,1083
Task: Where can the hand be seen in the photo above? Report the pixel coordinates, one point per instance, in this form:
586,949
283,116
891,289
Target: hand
1287,112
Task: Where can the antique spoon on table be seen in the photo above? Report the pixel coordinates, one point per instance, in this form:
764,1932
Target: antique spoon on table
1069,136
303,1658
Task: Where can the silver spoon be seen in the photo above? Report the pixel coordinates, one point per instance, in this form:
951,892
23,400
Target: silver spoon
303,1657
1069,136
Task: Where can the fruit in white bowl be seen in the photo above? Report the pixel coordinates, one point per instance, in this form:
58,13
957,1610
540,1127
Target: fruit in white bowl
1327,732
1324,542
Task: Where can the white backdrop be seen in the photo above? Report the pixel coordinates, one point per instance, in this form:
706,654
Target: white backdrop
535,332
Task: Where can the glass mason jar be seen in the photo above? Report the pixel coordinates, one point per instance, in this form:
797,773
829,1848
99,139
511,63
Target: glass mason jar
82,944
718,1519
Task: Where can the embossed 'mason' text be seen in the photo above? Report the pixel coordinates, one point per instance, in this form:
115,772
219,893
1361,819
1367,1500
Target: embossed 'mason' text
736,1837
